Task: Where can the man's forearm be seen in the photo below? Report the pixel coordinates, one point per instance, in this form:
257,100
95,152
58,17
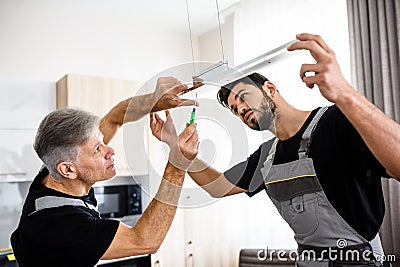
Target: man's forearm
131,109
202,173
379,132
155,222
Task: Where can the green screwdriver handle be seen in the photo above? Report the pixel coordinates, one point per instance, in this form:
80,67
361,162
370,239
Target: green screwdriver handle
192,116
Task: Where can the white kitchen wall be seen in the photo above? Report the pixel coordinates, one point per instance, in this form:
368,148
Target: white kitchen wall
45,39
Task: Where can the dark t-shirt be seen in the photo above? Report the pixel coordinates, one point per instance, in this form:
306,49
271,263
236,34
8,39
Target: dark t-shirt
346,169
62,236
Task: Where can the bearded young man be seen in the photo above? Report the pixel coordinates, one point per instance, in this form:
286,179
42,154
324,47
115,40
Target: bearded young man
323,170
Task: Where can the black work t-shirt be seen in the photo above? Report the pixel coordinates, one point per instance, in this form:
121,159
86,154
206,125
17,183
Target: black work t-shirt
62,236
346,169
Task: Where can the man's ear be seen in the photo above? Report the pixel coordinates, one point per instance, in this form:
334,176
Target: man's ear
269,88
67,170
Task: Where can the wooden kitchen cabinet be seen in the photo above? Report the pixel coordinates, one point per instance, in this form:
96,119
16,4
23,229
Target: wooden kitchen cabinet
99,95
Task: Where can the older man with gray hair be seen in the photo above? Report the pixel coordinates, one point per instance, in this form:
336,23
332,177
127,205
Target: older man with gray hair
59,225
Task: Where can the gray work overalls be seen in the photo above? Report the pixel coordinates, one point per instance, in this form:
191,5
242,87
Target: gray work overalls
297,194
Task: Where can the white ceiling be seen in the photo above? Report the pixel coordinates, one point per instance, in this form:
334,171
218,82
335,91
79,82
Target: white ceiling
172,14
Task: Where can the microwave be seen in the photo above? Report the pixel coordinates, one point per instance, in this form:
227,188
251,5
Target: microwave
121,196
116,201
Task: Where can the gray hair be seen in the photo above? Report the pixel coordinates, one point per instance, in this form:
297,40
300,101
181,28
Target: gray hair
59,135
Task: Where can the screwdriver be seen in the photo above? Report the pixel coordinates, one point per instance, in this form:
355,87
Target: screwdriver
193,114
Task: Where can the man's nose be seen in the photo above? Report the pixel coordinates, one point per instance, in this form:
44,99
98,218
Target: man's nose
109,152
242,109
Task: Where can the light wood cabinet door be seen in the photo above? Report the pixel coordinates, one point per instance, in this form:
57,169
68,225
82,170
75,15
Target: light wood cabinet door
99,95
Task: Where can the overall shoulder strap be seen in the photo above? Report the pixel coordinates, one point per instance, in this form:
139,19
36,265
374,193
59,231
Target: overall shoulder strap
48,202
306,138
270,158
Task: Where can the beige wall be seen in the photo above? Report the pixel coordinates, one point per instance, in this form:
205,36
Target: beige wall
210,44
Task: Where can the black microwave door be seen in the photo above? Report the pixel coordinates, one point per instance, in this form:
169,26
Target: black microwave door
119,200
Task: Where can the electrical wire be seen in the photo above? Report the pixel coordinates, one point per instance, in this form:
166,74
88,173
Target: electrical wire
190,36
220,33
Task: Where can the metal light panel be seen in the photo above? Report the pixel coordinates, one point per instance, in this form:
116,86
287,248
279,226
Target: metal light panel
220,73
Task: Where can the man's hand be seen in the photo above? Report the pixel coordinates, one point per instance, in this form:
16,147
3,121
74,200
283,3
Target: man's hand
188,142
327,73
183,148
167,94
163,130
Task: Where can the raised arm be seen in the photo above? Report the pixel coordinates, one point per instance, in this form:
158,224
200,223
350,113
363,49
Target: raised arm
380,133
214,182
149,232
165,96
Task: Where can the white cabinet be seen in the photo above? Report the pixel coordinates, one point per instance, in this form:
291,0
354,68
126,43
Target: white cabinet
19,162
172,250
99,95
23,104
